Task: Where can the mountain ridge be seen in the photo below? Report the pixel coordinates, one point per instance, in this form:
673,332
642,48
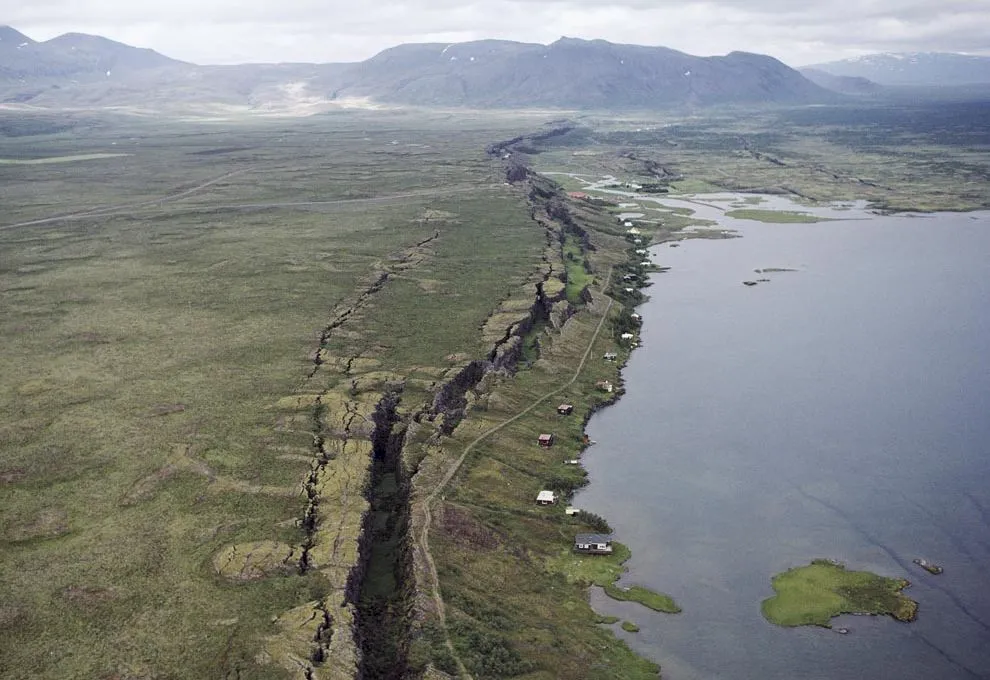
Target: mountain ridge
77,69
572,73
920,69
851,85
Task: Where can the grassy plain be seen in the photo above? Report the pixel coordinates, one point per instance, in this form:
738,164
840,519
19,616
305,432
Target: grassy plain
151,334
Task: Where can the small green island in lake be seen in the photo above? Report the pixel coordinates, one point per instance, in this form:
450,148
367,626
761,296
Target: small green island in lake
775,216
814,594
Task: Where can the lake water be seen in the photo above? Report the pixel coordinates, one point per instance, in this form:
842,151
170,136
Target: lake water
841,410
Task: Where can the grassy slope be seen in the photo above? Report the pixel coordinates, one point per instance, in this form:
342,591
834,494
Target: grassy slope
510,584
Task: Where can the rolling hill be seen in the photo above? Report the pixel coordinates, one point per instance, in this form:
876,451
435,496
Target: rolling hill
72,56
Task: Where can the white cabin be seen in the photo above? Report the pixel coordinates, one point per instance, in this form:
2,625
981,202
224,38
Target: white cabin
546,498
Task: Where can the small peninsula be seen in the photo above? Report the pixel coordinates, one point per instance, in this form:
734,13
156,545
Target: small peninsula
604,571
813,594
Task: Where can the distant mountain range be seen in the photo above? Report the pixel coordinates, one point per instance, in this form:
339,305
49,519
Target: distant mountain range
572,73
921,69
72,56
84,71
76,70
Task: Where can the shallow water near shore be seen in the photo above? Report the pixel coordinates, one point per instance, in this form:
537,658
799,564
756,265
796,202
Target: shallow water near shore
839,410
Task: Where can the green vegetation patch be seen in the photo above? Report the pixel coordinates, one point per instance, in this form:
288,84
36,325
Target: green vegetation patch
630,627
775,216
577,275
646,597
604,571
812,595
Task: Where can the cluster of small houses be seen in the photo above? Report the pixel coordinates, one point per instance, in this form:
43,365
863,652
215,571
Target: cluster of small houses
590,544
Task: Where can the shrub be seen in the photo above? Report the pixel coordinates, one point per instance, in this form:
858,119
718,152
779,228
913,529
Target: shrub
596,522
487,654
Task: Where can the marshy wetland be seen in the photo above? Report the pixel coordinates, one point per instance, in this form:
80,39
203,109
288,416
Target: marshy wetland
271,388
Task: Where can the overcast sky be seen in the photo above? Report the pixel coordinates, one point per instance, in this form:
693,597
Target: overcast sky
798,32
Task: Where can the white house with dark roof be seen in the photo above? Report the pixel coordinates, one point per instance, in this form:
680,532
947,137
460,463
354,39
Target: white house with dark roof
593,544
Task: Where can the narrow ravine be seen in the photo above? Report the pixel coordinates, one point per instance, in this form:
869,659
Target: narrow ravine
383,607
356,508
381,581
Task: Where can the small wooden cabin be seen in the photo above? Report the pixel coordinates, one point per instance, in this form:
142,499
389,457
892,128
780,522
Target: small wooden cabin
593,544
545,440
604,385
610,356
565,409
546,498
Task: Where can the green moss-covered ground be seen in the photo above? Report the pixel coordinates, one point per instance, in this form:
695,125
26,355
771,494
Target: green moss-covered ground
813,594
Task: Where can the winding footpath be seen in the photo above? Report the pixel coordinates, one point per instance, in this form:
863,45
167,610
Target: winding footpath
112,210
423,540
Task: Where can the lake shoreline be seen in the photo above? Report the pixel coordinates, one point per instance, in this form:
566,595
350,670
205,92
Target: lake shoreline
661,555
